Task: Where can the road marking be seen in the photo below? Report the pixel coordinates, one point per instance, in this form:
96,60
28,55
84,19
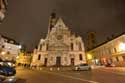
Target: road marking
71,77
112,72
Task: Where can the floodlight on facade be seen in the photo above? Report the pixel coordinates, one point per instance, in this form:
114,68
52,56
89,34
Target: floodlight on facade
89,56
3,53
122,46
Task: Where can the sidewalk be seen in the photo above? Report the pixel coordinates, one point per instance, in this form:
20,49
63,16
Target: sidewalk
19,67
96,67
119,69
46,68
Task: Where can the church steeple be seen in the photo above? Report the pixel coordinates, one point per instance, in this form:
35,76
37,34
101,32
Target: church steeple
52,21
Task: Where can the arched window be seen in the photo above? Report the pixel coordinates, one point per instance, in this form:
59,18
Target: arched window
115,50
40,47
80,46
39,56
47,46
80,57
72,46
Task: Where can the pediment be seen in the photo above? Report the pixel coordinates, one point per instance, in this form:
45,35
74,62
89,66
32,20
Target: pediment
60,24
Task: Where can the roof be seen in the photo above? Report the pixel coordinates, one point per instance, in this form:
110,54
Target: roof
9,39
107,41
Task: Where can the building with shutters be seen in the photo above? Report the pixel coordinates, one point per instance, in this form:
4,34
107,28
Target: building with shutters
9,48
24,59
60,47
109,52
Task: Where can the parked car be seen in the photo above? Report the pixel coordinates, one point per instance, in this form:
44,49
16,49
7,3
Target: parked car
110,65
7,79
82,67
7,73
6,70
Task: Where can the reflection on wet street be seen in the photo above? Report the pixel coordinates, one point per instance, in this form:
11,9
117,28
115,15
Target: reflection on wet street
21,81
69,76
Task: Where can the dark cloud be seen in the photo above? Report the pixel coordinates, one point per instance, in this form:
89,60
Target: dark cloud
27,20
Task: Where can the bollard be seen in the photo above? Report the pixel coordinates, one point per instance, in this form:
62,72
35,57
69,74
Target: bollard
58,68
51,69
40,68
37,68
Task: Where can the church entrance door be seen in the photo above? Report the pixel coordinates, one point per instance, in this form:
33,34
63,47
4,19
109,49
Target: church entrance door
45,61
58,61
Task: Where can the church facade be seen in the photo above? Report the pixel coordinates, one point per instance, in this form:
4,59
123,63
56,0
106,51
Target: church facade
60,47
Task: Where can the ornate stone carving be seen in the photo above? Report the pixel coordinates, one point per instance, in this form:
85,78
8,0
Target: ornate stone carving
3,8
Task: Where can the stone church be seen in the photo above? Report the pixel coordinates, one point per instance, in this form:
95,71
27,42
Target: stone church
60,47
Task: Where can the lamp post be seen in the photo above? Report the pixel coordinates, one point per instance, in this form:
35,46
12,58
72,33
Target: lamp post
122,47
3,53
89,58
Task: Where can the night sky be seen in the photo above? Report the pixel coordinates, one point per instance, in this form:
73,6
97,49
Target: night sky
27,20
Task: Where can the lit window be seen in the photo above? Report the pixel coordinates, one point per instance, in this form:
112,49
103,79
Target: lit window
122,47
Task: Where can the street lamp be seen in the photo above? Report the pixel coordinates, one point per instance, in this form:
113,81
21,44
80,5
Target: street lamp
3,53
17,57
20,46
89,56
122,46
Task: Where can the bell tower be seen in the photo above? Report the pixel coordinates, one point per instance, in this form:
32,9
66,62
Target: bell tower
91,40
52,21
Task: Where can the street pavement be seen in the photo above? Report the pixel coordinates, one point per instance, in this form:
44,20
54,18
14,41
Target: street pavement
100,75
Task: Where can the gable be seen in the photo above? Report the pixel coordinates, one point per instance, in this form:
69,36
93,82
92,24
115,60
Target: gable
60,24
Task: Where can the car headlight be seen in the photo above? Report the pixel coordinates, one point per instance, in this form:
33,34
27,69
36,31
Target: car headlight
10,79
1,71
76,68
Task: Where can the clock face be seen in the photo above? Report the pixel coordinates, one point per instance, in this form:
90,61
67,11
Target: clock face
59,37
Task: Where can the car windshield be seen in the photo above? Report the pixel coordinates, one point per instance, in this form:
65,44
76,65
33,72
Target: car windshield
83,64
3,64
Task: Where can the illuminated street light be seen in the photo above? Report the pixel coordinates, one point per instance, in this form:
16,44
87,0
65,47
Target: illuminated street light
20,46
89,56
3,53
17,57
122,47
